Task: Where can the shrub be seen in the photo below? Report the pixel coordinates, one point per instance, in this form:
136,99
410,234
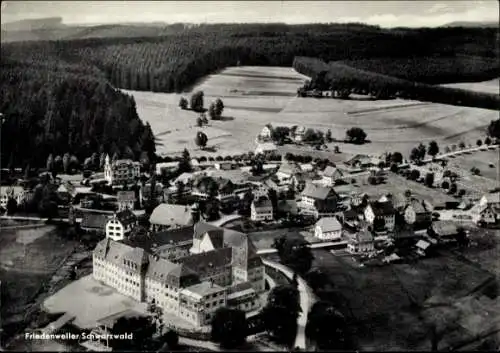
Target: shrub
461,192
487,141
479,143
445,185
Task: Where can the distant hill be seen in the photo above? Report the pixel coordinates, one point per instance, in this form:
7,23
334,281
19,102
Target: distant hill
33,24
472,24
20,33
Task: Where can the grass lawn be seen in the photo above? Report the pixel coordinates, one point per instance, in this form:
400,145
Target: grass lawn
378,299
479,160
396,184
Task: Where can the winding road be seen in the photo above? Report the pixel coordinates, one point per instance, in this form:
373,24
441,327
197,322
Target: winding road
307,299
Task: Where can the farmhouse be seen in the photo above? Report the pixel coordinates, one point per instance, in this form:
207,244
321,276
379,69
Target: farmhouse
120,225
287,170
261,210
318,200
265,148
382,212
328,228
489,216
125,200
172,216
11,192
331,175
361,242
266,133
123,171
362,161
418,212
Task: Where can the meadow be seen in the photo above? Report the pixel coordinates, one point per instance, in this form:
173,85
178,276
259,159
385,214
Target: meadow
254,96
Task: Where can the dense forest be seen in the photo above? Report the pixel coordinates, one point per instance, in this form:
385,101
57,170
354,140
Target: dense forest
174,62
60,96
344,80
51,109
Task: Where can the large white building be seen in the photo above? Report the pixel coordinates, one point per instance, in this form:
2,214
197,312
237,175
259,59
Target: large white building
328,228
122,171
223,269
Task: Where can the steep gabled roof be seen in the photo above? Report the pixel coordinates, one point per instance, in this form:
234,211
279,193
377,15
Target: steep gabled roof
331,171
289,168
444,228
329,224
126,217
167,214
317,191
382,208
207,261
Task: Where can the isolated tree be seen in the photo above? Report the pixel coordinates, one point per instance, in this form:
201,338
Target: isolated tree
219,107
204,119
394,167
356,135
433,149
327,328
494,129
445,185
294,253
201,140
281,312
414,174
397,157
50,163
11,206
487,141
447,149
199,122
336,149
453,188
328,136
212,112
461,192
408,193
429,179
479,143
183,103
73,162
185,162
229,327
461,145
142,329
197,101
171,338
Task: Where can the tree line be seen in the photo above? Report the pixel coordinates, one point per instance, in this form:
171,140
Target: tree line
346,80
174,62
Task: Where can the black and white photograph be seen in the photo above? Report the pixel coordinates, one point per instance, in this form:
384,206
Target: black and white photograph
250,176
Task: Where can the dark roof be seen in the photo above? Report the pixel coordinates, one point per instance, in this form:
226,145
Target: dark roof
157,240
382,208
138,257
207,261
94,221
239,287
419,206
317,192
201,228
262,202
126,217
124,196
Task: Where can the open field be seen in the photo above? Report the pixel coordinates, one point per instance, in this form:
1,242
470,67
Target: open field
255,96
378,300
481,160
28,258
492,86
396,184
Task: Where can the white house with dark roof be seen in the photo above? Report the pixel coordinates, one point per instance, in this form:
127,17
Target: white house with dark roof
328,228
120,225
331,175
261,210
381,211
361,242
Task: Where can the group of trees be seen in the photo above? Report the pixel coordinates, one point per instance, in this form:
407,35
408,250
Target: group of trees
52,110
343,80
215,109
356,135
